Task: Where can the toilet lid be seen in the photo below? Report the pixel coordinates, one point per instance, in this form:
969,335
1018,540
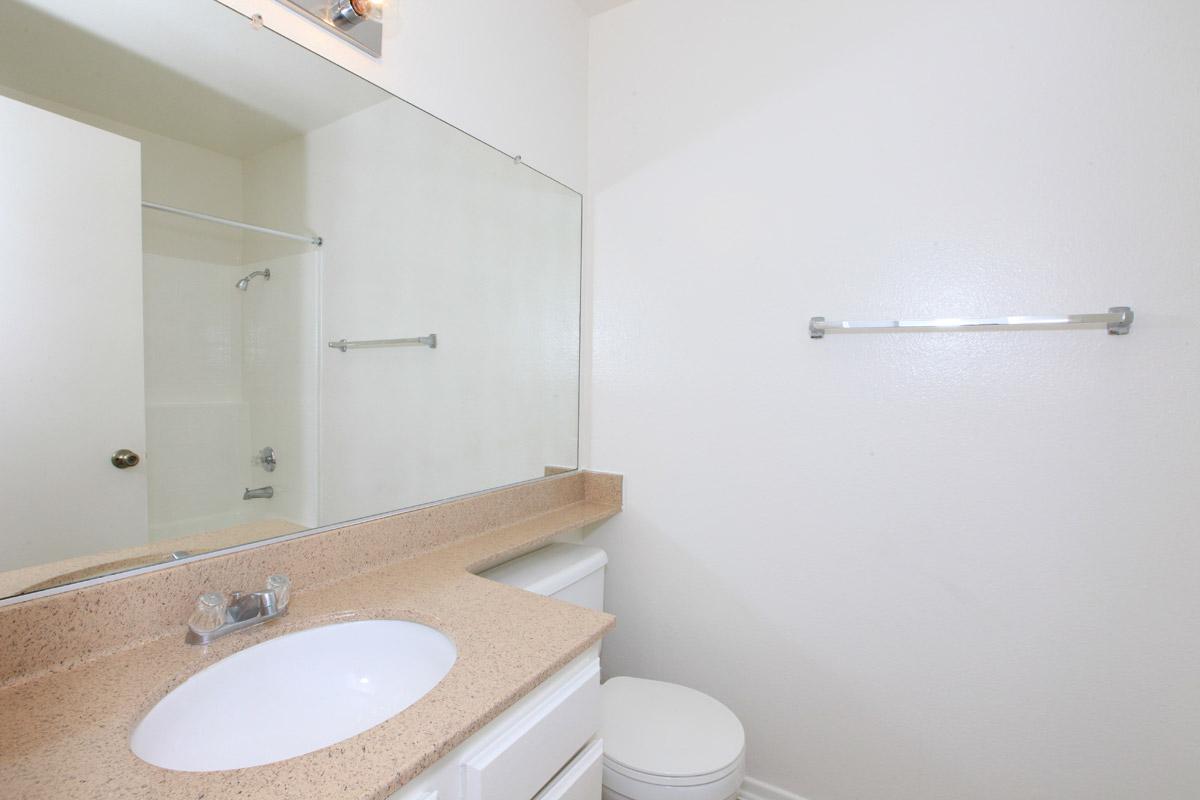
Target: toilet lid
668,730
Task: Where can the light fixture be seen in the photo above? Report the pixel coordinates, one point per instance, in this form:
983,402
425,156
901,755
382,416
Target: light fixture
359,22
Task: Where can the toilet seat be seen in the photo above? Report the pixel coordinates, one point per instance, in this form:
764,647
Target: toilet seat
664,780
662,740
620,787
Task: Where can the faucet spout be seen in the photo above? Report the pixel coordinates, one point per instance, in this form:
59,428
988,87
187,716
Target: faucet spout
261,493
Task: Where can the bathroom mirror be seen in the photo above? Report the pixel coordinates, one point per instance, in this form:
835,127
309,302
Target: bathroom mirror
193,209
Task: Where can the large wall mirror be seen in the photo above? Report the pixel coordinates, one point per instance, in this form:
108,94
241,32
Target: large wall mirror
193,210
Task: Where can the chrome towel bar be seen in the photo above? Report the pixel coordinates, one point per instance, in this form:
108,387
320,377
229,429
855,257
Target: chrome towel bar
429,341
1117,320
183,212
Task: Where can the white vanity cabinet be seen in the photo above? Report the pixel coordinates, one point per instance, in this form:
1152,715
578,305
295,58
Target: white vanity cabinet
545,747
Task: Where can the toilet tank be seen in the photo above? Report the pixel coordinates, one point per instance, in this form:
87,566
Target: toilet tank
573,573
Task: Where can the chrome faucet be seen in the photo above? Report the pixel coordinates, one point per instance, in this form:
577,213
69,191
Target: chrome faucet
261,493
217,614
266,459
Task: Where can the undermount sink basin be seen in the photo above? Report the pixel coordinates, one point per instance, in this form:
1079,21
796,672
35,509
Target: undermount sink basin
293,695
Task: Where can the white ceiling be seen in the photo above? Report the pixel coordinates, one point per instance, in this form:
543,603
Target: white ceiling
593,7
193,71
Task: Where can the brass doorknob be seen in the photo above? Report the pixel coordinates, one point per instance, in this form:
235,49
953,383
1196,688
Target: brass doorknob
124,459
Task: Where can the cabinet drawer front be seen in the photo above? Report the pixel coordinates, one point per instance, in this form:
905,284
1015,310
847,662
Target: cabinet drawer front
582,779
531,751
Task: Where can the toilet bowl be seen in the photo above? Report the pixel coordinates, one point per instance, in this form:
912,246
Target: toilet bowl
662,741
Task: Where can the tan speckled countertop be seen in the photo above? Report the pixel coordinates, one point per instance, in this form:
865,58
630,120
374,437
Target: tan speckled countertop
65,721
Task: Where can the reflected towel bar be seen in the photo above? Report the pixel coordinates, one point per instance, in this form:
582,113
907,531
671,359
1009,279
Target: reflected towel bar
1117,320
429,341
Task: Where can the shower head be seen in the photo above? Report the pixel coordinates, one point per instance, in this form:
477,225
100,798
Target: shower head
244,283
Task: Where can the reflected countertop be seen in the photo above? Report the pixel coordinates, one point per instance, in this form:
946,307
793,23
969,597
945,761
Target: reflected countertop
81,568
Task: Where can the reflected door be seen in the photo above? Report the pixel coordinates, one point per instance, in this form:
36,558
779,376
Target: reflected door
73,392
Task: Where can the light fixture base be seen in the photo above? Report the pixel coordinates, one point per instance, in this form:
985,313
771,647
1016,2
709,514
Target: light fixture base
366,35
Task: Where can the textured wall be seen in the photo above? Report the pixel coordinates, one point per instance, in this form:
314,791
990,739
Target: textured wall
460,242
931,566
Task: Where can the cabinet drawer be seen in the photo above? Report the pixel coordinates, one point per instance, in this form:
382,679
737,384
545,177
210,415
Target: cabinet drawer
527,754
582,779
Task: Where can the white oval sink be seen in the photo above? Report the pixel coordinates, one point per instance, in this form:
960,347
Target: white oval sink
293,695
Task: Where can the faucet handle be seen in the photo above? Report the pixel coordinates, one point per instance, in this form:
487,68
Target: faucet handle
209,613
281,585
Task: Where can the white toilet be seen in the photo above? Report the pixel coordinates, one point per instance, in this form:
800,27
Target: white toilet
662,741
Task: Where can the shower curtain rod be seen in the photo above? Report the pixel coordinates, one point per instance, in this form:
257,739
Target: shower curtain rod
299,237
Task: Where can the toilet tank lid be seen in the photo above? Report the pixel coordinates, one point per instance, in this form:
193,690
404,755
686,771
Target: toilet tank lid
551,569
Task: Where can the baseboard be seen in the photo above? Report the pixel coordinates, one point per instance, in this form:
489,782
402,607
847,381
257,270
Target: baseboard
758,790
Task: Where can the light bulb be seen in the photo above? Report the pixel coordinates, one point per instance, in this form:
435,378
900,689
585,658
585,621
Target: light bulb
348,13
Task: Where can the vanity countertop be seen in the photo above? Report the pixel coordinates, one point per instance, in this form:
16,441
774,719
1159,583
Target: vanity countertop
64,733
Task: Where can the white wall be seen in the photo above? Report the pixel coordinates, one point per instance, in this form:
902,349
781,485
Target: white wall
928,566
511,73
